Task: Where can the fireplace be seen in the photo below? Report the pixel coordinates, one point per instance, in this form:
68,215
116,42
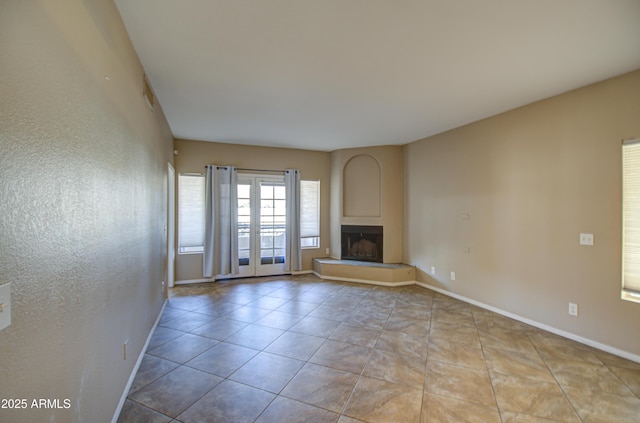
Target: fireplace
362,243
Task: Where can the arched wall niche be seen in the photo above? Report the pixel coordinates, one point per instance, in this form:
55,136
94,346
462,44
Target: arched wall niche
361,189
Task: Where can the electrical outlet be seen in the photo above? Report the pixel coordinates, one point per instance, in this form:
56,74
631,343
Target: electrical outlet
573,309
5,306
586,239
327,251
453,276
433,270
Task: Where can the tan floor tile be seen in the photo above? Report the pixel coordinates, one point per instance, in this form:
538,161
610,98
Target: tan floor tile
535,398
443,302
411,312
377,401
396,368
321,386
403,344
184,348
279,320
285,410
393,354
441,409
411,326
150,369
454,333
228,402
594,406
316,327
132,412
267,371
296,345
551,346
511,417
459,382
512,363
255,336
372,319
345,299
615,361
456,317
163,335
358,335
247,314
595,376
298,307
342,356
346,419
331,313
176,391
270,303
219,328
459,354
630,377
511,340
223,359
488,320
415,298
217,308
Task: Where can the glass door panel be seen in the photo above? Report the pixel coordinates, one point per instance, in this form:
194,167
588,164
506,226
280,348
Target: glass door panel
273,219
245,232
262,218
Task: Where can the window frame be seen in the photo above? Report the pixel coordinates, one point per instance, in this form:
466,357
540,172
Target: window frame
630,290
189,249
314,240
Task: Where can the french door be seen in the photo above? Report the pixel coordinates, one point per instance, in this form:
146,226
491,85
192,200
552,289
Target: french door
262,219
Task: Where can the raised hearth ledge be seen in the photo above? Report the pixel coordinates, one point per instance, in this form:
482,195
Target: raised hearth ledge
385,274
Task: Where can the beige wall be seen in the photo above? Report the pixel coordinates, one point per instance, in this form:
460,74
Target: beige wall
313,165
391,162
83,181
531,180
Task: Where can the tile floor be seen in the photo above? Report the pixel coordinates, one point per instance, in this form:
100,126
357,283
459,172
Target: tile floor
300,349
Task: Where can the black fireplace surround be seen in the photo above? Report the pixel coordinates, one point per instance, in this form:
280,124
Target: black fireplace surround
362,243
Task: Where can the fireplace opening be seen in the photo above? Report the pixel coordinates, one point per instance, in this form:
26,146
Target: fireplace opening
362,243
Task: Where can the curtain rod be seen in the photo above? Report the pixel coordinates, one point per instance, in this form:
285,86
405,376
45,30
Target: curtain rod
262,170
252,170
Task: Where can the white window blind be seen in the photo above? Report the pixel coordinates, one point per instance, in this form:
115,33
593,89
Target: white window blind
191,213
631,220
310,213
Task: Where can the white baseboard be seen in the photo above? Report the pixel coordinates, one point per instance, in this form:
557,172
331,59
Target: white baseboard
189,281
560,332
370,282
132,376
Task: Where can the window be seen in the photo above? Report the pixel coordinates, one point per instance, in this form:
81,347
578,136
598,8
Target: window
310,214
631,220
190,213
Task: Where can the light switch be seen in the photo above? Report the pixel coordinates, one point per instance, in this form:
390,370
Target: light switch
5,305
586,239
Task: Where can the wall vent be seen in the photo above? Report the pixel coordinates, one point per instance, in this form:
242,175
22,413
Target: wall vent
147,92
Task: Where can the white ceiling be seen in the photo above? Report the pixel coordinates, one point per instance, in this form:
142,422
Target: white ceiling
330,74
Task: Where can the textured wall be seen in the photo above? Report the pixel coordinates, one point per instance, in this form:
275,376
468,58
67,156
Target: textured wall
83,207
502,203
